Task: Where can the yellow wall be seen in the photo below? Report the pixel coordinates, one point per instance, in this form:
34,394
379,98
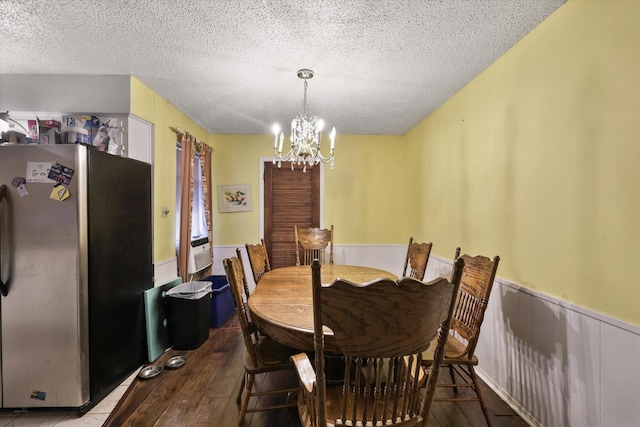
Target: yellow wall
363,194
148,105
237,161
538,160
369,171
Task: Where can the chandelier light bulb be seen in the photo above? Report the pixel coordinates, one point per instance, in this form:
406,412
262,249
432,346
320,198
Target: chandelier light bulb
276,130
333,138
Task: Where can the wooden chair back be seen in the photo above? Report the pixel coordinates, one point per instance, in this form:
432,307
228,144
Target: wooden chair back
475,288
258,260
245,285
235,276
312,243
416,259
381,328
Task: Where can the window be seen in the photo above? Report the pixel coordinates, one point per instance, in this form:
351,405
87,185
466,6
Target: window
198,219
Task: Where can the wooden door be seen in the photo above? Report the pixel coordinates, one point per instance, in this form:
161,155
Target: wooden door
290,198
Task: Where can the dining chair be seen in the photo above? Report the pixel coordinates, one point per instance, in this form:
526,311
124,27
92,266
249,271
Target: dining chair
262,354
459,354
247,291
416,259
243,279
381,328
313,242
258,260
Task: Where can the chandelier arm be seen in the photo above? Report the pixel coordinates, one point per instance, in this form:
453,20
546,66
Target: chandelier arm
327,158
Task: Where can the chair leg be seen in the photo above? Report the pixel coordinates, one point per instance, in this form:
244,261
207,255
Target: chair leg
453,378
240,389
476,387
249,378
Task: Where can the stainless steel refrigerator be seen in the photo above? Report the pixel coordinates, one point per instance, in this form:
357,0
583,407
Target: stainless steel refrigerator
75,259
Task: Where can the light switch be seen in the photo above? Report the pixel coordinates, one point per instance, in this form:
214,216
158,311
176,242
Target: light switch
164,211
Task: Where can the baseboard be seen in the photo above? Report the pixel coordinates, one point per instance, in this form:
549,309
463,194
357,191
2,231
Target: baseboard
506,397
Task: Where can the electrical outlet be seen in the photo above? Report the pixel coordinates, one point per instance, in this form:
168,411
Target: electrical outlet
164,211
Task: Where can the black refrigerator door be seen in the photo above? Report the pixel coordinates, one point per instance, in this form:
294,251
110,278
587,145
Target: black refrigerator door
4,289
120,267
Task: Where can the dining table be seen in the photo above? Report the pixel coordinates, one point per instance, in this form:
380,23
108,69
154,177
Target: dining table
281,305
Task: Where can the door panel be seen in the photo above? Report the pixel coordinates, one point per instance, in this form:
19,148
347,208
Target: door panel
291,198
44,353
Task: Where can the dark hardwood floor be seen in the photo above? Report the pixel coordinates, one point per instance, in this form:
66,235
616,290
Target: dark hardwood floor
203,393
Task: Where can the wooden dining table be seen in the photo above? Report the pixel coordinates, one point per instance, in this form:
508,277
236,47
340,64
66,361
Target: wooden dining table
282,303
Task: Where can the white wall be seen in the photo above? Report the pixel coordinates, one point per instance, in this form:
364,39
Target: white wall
65,93
384,257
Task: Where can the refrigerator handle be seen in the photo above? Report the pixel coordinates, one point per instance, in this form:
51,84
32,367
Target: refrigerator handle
3,286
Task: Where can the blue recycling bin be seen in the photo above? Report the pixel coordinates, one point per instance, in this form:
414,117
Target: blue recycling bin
222,306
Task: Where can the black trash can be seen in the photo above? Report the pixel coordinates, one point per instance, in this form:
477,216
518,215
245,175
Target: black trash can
189,305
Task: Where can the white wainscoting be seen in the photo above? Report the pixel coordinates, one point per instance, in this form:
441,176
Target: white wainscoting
385,257
222,252
555,363
165,271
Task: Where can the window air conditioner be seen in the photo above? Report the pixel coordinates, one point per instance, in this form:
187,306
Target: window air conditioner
199,255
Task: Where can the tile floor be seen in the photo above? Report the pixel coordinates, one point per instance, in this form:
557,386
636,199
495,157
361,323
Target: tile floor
94,418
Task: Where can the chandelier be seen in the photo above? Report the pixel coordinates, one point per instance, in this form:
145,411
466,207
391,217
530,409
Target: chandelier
306,135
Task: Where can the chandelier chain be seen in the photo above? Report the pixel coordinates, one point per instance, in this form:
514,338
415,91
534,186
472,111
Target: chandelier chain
305,104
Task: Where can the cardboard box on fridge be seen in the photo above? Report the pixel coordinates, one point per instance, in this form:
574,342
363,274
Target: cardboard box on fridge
48,131
49,136
49,124
32,127
90,123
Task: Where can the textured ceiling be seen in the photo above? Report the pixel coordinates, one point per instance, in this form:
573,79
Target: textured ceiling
381,66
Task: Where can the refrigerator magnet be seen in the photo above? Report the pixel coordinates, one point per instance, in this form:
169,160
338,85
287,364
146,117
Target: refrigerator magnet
20,183
38,171
17,181
59,193
38,395
60,173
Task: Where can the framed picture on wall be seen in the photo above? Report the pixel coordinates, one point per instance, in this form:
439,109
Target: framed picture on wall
234,198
